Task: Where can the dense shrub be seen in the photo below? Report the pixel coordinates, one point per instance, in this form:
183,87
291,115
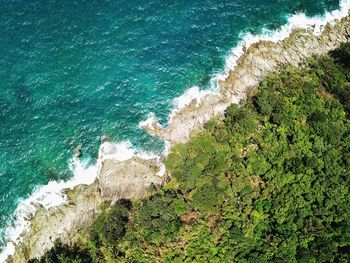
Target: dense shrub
64,254
109,228
269,183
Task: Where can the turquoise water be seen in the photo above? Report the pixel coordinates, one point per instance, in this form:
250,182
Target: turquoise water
73,71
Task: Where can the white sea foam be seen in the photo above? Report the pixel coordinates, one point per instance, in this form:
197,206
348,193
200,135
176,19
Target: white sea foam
299,20
192,95
116,151
151,121
124,151
47,196
52,194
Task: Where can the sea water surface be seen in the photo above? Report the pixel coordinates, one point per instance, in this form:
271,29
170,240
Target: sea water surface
74,71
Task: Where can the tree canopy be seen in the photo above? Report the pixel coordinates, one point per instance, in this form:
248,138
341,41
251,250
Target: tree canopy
267,183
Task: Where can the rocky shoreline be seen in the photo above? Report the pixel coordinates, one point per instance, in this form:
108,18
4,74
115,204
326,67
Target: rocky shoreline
117,179
132,177
254,65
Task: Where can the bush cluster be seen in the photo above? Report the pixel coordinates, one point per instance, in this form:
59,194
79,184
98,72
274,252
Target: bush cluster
269,183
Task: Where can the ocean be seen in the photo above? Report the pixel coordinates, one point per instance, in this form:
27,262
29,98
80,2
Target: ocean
74,72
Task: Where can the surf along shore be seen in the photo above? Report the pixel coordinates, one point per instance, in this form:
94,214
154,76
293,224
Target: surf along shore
131,175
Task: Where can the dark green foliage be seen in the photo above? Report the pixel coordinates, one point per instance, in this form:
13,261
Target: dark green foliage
342,56
284,184
65,254
335,78
158,217
269,183
109,228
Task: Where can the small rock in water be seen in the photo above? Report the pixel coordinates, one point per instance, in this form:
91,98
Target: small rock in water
78,150
103,138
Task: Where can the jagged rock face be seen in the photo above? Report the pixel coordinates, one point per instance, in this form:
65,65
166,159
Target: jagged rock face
265,57
257,62
193,116
59,222
117,179
127,179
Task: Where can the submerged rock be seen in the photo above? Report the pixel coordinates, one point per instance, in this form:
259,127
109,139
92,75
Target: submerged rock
78,151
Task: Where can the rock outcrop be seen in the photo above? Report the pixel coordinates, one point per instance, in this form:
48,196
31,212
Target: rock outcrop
117,179
59,222
132,176
257,62
127,179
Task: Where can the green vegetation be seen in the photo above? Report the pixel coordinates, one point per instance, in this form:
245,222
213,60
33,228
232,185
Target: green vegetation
268,183
65,254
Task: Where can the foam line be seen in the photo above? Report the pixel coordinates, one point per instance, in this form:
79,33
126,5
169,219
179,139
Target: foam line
299,20
46,196
52,194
